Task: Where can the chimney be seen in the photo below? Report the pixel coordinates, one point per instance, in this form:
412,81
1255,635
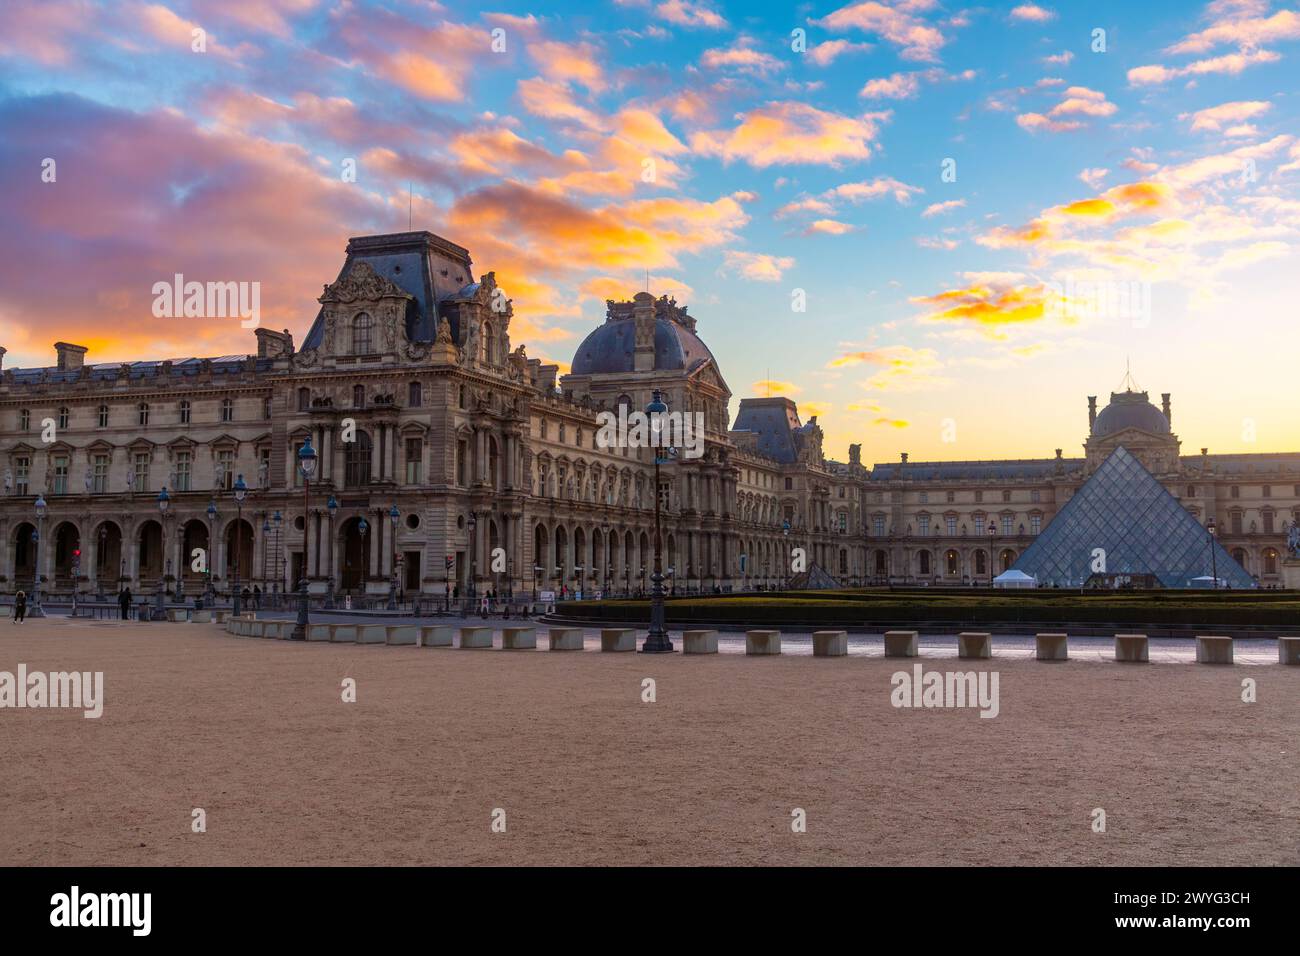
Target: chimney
643,314
1092,411
70,357
904,458
3,350
1164,407
855,455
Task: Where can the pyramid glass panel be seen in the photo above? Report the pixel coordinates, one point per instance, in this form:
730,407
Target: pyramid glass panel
1142,528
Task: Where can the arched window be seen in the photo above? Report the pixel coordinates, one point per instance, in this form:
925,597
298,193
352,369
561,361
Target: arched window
1270,561
489,343
414,395
925,563
362,327
356,471
952,561
981,563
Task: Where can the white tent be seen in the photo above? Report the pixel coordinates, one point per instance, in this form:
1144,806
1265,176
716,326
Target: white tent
1014,579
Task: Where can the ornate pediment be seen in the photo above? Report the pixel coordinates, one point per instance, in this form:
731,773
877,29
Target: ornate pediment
363,284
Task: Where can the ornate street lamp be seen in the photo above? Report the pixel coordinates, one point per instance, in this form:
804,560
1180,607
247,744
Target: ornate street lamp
266,538
363,528
393,516
785,563
279,557
332,506
1214,558
241,492
36,610
210,594
307,465
164,502
993,530
472,524
537,569
657,641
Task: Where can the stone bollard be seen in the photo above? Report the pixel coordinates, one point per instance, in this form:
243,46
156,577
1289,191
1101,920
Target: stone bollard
1213,650
699,642
1051,647
1132,648
519,638
435,635
566,638
475,638
830,643
762,642
343,633
974,644
901,644
372,633
618,639
403,634
1288,650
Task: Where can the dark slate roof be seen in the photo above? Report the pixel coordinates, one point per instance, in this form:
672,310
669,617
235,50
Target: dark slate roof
774,420
1129,410
1277,463
108,371
609,348
427,266
1008,470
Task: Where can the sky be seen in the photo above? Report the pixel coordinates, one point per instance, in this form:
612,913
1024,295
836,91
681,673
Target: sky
936,227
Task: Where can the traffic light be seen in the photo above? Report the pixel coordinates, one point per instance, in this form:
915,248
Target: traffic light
450,562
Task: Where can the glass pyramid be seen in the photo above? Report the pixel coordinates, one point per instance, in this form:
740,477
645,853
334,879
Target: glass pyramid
1143,529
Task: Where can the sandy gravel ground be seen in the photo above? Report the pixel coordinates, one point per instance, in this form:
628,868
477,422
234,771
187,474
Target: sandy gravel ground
255,732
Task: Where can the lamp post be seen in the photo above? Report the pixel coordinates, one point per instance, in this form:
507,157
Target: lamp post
277,520
209,594
785,562
332,506
36,610
510,579
363,528
472,523
241,492
266,537
657,641
993,530
537,569
608,559
100,562
1214,558
307,464
164,502
393,516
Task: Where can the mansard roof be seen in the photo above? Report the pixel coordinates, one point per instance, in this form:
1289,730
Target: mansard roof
430,269
137,371
774,421
1008,470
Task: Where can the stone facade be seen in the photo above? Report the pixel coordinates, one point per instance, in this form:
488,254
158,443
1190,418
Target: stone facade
410,391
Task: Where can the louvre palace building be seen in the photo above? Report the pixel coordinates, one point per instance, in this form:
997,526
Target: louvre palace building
408,387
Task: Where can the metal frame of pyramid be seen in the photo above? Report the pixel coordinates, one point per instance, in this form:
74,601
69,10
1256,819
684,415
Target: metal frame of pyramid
1142,528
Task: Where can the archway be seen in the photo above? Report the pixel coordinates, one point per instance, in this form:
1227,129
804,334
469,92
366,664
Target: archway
352,569
150,544
560,563
882,563
67,544
540,571
239,554
581,562
24,549
923,564
1006,559
108,555
952,562
195,538
981,562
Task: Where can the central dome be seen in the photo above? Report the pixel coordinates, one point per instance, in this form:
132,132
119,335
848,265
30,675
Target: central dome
1130,410
611,348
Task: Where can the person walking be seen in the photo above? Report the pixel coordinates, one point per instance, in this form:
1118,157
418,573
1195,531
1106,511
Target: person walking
124,602
20,606
257,597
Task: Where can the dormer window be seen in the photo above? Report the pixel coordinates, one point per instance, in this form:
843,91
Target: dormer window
362,328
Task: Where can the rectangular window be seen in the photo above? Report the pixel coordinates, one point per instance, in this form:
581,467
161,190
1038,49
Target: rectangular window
1006,524
141,465
462,454
979,523
844,522
789,484
925,498
1268,522
1268,491
923,523
61,475
951,524
25,423
1006,496
183,471
99,479
1236,522
1035,495
297,471
226,462
185,413
103,416
24,467
1035,524
979,496
878,527
414,454
951,497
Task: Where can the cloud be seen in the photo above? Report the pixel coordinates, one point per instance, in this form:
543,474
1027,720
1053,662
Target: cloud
1215,117
828,51
1231,64
1242,31
785,133
893,20
899,367
989,304
938,208
569,62
742,57
759,267
830,227
897,86
1075,101
1063,58
1031,13
1094,176
768,386
684,13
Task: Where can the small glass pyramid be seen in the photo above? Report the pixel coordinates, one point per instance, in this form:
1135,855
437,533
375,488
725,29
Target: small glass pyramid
1143,529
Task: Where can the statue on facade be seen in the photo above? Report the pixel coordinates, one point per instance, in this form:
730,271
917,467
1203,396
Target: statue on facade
1293,540
130,480
90,478
264,474
9,482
